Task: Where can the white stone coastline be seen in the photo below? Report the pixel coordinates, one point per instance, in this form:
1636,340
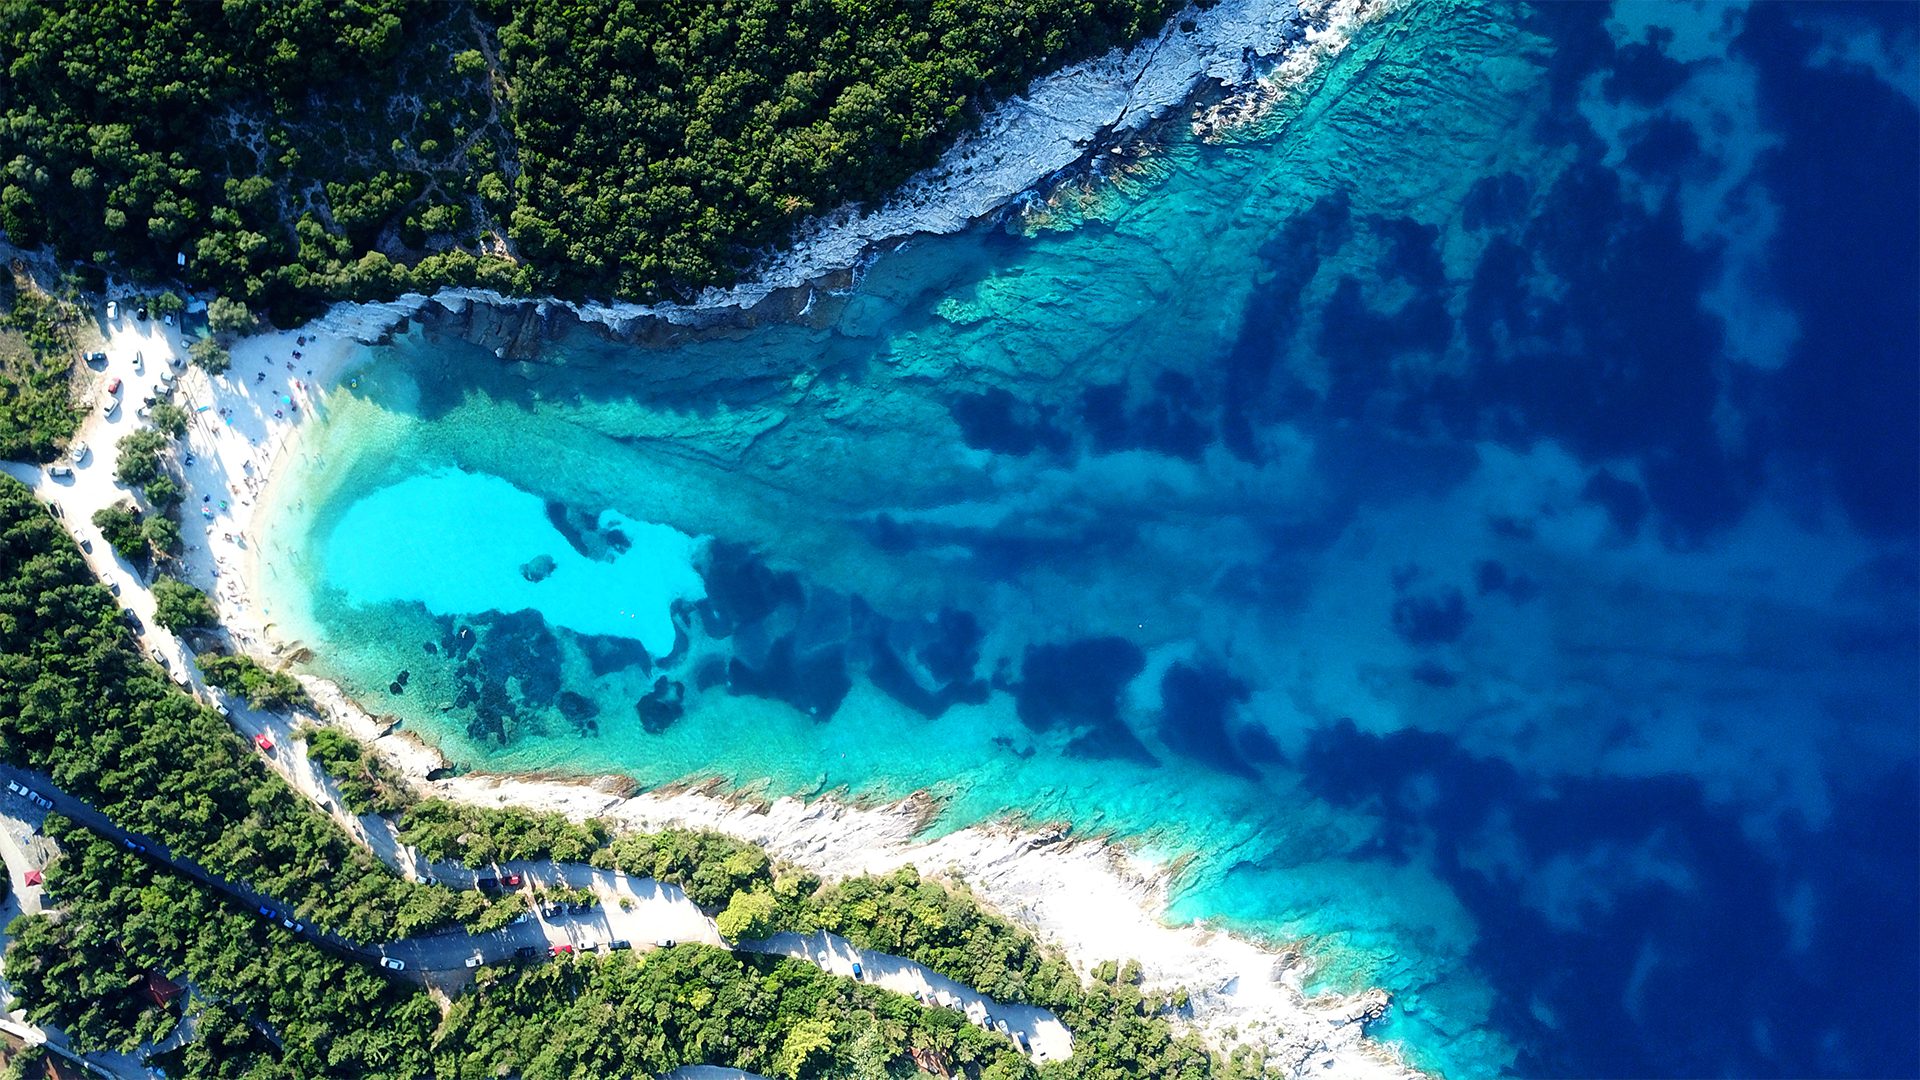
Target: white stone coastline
1091,897
1253,51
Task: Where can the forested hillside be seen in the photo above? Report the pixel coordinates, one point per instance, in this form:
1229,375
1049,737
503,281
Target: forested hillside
295,152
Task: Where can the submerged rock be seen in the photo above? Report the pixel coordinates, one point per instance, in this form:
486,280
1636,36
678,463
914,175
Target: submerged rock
662,705
538,568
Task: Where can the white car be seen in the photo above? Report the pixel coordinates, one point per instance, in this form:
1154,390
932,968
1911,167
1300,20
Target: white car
391,964
77,453
475,960
110,408
113,311
139,363
15,789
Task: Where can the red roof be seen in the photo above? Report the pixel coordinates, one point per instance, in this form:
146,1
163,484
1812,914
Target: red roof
33,877
161,989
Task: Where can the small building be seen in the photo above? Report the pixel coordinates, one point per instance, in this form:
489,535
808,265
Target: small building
33,877
161,990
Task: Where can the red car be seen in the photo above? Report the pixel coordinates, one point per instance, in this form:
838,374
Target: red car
510,879
263,742
113,385
561,950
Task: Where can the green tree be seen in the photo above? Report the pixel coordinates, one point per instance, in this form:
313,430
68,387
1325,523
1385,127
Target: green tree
162,493
179,606
749,916
210,355
226,315
168,303
169,418
120,524
162,535
139,457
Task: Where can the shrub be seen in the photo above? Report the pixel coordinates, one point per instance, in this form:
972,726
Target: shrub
244,676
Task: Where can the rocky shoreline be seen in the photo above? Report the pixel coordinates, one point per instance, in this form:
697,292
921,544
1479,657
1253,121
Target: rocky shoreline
1223,63
1090,896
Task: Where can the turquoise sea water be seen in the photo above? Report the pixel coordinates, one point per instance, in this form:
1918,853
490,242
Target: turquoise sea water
1453,512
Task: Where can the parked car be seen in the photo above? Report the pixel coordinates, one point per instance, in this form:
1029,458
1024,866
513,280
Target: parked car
391,964
857,972
561,950
53,509
39,800
268,913
97,358
141,313
510,879
113,310
490,886
525,952
15,789
294,925
263,742
77,453
86,546
113,385
663,943
619,945
132,620
139,363
113,587
218,705
110,407
475,960
132,844
180,680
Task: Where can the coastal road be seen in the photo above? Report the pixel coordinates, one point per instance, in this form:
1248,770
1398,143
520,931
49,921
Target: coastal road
24,849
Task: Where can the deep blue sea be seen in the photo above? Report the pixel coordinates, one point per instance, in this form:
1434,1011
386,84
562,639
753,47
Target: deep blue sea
1472,512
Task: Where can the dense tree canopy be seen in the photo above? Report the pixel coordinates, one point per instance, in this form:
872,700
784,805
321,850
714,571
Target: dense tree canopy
662,144
287,152
78,702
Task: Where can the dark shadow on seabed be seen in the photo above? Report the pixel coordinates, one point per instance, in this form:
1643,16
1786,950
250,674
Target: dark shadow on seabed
1478,515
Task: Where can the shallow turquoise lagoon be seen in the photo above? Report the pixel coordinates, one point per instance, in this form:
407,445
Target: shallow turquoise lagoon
1443,510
